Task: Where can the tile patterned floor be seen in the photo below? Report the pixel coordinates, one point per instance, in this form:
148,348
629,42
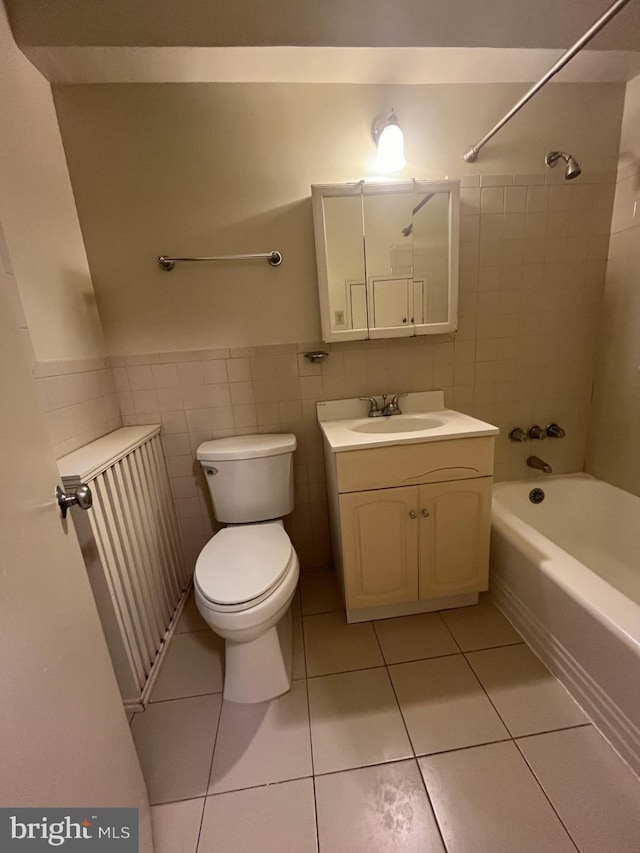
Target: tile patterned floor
432,733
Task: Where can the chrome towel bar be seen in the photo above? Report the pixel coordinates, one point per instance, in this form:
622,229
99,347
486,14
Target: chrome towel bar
274,258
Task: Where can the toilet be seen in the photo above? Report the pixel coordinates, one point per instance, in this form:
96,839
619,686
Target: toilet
246,575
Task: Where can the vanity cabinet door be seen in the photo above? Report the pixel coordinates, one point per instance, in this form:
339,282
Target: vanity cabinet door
380,546
455,526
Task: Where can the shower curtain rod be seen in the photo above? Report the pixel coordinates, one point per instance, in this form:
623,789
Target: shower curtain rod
471,154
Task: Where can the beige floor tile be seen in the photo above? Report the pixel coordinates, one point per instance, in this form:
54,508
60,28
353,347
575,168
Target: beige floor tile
262,743
176,826
487,800
192,666
320,592
191,620
273,819
333,646
355,721
175,743
298,667
481,626
593,791
443,705
414,637
382,809
527,697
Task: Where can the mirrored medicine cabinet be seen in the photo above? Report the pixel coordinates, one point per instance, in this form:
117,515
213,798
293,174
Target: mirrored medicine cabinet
387,257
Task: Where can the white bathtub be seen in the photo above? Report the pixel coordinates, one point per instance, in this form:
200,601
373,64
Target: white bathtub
566,572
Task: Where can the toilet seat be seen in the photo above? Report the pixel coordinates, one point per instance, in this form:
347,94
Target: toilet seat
242,566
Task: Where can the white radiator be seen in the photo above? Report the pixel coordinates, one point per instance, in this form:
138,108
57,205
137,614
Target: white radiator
131,547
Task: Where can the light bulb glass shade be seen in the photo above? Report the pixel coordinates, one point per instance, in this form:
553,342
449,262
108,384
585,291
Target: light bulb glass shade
390,149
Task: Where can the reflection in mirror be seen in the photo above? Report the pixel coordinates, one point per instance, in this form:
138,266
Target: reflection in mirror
430,235
388,261
345,262
387,258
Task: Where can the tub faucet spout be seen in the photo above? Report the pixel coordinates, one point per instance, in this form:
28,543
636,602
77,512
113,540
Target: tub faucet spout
540,464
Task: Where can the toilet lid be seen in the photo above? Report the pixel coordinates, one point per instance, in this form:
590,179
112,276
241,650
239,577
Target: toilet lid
243,563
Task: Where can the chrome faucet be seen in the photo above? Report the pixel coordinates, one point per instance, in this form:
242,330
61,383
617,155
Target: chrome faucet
392,408
540,464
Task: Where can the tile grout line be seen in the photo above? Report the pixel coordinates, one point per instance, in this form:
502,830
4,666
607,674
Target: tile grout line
306,684
213,752
551,731
451,634
531,770
179,698
413,749
513,740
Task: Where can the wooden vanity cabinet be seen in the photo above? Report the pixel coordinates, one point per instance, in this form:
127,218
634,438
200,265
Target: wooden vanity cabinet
380,546
404,544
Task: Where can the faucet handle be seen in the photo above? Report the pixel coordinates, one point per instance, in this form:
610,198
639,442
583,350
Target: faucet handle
555,431
536,432
374,411
518,434
393,407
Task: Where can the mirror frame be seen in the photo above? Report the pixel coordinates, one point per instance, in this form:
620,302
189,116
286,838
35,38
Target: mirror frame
361,188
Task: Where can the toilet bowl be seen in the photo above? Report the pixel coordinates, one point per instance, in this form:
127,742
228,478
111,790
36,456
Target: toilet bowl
246,575
244,582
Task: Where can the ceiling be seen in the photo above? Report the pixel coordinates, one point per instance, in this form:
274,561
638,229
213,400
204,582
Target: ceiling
382,41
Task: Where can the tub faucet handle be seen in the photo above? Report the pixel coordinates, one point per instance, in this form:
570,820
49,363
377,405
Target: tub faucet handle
537,432
518,434
555,431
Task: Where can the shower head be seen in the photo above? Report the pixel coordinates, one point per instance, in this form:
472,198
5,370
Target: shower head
572,169
408,229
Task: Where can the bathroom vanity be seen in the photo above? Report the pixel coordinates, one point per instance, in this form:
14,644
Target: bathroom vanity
410,505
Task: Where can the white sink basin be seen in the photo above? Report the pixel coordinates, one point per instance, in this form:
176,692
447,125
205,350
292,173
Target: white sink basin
345,425
397,423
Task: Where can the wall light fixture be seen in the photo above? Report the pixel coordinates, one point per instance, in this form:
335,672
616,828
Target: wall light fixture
389,139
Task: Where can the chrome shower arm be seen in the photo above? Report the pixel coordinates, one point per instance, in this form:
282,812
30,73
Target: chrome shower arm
471,154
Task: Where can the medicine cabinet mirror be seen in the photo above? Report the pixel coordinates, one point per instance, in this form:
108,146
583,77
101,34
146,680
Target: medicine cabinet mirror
387,258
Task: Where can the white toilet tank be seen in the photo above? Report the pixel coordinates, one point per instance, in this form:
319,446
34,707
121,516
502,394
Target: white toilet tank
250,477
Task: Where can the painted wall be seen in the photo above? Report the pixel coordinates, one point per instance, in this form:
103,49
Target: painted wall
200,169
615,412
38,215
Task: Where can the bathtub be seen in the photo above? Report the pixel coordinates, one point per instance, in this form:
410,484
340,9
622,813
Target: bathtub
566,572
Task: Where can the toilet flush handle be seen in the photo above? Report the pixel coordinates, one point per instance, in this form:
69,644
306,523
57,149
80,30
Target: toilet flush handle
211,472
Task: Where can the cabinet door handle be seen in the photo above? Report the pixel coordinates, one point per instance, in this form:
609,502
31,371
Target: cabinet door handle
425,513
413,514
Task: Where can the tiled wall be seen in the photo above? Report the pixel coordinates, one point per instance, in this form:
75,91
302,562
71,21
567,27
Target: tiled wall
78,399
615,414
216,393
532,265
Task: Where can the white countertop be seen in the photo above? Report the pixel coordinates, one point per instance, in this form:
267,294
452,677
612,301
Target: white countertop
340,420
